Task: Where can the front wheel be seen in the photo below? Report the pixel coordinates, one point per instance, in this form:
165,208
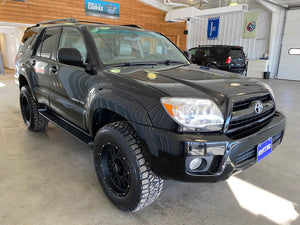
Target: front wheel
122,169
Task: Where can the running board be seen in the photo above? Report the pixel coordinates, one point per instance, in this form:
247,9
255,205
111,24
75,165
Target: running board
67,126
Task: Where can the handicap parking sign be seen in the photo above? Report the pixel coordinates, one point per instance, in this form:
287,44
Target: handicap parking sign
213,28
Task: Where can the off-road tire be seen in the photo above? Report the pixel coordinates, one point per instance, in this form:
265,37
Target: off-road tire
144,186
29,109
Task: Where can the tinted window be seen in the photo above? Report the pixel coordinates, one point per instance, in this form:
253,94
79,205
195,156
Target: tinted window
204,52
220,53
71,38
237,54
27,39
48,43
193,51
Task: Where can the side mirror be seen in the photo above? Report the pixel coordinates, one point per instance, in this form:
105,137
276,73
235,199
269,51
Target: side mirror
70,56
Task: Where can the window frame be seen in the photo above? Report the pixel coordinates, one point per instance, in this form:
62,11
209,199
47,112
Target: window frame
87,57
40,43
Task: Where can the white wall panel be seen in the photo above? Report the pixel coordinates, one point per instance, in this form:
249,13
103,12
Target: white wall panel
289,65
230,32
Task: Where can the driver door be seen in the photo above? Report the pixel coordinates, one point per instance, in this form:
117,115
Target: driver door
69,83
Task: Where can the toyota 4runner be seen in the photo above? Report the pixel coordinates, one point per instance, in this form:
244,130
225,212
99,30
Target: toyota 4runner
147,112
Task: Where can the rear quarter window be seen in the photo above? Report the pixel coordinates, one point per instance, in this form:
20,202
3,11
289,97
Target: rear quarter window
219,53
237,54
27,40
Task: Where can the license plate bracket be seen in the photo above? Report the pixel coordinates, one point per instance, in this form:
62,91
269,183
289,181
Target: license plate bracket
264,149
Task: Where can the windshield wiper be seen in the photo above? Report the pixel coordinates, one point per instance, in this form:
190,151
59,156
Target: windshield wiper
133,64
167,62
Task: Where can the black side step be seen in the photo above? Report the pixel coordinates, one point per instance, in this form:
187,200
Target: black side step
67,126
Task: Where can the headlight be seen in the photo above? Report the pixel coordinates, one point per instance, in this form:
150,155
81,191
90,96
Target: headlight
203,114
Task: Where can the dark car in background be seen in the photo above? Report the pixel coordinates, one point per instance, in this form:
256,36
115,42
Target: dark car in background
222,57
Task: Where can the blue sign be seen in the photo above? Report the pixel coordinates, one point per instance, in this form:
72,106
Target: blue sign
102,9
213,28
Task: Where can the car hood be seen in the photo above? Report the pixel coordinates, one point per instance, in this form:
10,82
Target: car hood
193,81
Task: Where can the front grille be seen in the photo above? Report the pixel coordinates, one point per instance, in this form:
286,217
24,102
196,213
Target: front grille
251,153
244,117
241,123
244,104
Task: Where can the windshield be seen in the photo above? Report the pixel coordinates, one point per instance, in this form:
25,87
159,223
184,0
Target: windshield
131,47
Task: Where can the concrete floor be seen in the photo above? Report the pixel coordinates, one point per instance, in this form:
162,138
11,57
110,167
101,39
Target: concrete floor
49,178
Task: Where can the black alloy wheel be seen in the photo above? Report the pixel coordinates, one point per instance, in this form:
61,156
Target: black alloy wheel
25,109
115,169
122,169
29,109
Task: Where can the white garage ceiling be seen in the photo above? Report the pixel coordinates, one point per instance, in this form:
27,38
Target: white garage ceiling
284,3
167,5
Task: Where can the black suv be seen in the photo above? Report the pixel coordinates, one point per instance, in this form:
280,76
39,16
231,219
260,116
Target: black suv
222,57
148,113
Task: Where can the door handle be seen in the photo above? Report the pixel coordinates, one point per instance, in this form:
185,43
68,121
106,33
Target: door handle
54,69
33,62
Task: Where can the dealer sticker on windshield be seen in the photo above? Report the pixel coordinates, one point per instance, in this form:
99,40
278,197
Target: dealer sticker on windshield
264,149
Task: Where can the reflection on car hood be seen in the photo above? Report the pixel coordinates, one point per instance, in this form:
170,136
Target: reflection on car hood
193,82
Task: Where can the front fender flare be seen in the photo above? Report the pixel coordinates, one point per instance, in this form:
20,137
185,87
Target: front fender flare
126,106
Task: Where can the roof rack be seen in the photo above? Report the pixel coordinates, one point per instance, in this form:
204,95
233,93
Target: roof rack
84,21
68,20
72,20
132,25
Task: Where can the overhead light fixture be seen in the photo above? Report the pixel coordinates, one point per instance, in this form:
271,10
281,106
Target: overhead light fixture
233,3
192,12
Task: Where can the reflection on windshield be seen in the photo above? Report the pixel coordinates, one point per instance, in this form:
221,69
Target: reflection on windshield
132,47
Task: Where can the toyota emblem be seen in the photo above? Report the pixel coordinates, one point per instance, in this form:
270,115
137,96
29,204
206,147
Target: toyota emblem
258,108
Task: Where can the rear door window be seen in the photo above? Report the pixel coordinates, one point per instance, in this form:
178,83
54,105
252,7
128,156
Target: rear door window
219,53
48,43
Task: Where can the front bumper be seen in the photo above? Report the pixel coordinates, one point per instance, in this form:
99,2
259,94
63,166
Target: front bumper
168,154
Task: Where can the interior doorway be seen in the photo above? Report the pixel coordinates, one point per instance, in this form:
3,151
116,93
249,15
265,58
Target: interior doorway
10,37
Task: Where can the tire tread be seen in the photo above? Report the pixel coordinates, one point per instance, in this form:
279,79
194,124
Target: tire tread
152,185
39,122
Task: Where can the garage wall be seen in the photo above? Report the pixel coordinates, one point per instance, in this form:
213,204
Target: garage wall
289,65
131,12
230,32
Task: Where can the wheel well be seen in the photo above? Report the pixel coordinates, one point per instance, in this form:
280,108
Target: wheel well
22,81
104,116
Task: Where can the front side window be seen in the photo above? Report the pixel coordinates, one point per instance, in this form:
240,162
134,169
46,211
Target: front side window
193,51
71,38
117,46
47,44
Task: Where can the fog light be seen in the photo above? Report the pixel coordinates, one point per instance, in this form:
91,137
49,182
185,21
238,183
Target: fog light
195,163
